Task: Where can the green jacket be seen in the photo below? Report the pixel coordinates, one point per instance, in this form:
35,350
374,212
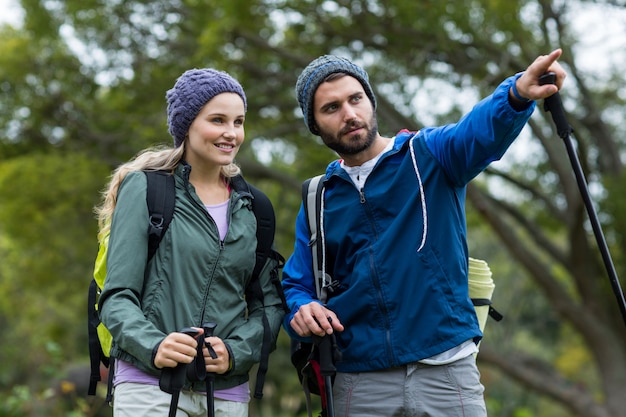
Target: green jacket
193,278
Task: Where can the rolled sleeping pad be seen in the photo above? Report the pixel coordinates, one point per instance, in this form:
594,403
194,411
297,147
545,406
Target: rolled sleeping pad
481,288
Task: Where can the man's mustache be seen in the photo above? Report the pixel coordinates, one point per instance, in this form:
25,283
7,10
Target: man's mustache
351,126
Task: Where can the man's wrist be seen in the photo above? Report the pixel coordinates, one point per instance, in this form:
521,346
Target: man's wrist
515,92
516,101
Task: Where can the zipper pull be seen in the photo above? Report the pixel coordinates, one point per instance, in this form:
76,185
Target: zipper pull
362,194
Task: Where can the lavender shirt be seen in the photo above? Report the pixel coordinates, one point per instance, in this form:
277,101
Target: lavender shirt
125,372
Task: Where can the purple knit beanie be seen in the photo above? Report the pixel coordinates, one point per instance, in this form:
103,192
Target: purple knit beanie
315,73
191,92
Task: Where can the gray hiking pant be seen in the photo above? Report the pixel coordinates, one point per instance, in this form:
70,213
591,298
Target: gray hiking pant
414,390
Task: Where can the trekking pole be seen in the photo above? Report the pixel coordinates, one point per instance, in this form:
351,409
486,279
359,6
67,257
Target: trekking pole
554,105
327,346
172,380
210,376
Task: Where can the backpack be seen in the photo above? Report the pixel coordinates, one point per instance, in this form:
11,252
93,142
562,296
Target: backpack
314,361
160,199
305,356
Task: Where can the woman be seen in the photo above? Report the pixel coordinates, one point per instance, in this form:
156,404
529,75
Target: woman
202,266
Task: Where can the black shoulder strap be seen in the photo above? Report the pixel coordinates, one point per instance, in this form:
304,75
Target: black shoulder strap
265,231
160,197
95,349
312,194
265,219
266,228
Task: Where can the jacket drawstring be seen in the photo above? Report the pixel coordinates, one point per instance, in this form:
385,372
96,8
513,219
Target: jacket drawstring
422,195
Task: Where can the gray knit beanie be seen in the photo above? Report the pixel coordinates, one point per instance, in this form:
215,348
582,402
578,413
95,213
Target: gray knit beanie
191,92
316,72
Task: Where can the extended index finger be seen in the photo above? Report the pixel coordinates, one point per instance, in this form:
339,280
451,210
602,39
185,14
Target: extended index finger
543,63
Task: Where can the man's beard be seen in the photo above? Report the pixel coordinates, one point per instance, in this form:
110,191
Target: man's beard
357,143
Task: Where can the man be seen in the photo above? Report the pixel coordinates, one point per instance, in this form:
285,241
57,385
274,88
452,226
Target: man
395,238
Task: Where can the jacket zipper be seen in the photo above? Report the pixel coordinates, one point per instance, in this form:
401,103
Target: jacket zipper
221,242
376,281
383,307
362,195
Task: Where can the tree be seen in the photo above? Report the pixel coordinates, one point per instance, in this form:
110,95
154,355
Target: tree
107,100
46,213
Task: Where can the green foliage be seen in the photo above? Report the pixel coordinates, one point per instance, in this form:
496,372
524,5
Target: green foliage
48,245
615,207
16,402
44,95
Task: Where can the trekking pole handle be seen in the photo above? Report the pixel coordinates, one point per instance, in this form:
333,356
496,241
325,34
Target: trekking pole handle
547,78
209,328
554,105
190,331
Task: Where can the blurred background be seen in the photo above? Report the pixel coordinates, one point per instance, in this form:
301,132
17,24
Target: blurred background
82,85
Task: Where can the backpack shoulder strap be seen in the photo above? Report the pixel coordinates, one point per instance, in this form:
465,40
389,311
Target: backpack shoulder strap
96,355
265,231
312,199
160,198
266,222
266,228
313,353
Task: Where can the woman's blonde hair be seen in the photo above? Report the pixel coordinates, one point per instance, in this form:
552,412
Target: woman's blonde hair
151,159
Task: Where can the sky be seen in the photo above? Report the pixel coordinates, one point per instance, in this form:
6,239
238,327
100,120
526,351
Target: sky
9,11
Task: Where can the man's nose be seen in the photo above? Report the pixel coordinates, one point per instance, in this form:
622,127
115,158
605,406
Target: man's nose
348,112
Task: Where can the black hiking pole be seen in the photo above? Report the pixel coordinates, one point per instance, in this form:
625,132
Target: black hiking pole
172,380
327,346
210,376
554,105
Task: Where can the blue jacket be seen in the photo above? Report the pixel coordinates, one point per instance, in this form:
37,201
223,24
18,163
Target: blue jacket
398,246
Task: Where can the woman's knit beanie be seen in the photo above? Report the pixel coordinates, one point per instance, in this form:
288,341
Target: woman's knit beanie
191,92
315,73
